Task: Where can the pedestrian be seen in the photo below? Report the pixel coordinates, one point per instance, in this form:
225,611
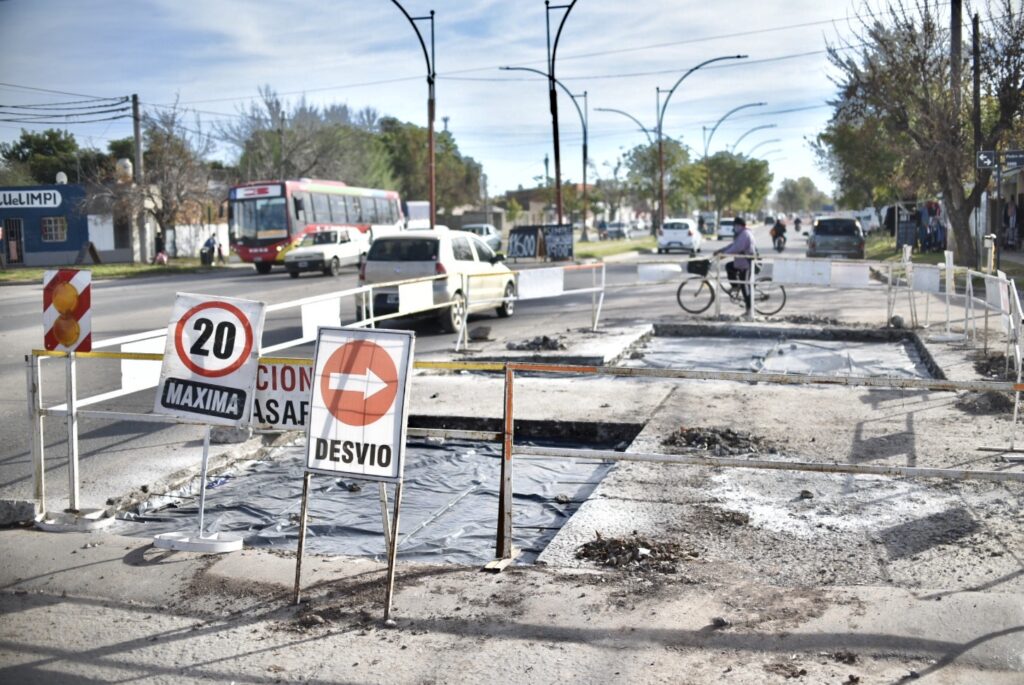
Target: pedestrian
738,270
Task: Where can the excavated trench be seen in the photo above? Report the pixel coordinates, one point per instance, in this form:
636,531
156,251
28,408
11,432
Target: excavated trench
450,500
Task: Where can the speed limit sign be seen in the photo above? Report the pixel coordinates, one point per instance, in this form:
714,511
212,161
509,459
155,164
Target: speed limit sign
211,357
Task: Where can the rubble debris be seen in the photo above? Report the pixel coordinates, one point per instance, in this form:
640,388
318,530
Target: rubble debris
719,441
541,342
993,366
810,319
786,670
719,622
844,656
633,553
736,518
480,333
990,402
806,494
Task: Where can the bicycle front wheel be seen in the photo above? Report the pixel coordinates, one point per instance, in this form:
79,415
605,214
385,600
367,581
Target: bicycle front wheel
769,297
695,294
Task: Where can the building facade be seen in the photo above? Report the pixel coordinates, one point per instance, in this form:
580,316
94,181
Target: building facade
47,226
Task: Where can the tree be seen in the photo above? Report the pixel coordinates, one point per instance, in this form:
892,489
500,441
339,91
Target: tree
682,179
457,177
276,140
895,69
513,210
738,182
40,156
800,195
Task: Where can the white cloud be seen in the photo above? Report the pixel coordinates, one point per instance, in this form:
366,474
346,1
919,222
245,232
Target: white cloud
354,51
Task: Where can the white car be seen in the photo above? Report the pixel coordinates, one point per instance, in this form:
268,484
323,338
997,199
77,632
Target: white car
420,254
327,250
679,234
486,232
727,228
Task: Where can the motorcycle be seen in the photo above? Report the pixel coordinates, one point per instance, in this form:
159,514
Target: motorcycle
779,242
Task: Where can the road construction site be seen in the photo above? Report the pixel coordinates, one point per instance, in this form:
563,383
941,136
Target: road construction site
819,496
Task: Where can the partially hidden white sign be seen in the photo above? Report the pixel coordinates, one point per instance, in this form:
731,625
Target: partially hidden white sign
210,359
359,403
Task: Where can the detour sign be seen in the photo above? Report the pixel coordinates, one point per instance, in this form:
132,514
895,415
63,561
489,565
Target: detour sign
359,403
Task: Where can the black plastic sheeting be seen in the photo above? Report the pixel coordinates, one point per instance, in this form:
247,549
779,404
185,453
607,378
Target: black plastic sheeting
449,505
782,355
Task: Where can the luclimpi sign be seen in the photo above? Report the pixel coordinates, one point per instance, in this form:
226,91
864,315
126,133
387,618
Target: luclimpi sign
210,360
359,401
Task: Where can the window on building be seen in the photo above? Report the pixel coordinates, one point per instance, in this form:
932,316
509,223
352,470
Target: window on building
55,229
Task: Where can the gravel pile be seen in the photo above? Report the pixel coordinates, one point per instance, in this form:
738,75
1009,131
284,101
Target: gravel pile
541,342
719,441
634,553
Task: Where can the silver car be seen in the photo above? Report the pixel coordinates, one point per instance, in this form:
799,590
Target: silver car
836,237
487,233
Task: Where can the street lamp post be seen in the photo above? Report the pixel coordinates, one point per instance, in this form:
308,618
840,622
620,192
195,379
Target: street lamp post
636,121
762,144
707,141
583,123
662,106
552,93
431,103
756,128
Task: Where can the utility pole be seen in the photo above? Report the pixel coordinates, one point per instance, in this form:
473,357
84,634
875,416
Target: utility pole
976,121
139,177
955,54
553,94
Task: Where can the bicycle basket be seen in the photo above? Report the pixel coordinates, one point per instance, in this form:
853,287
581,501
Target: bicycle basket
699,266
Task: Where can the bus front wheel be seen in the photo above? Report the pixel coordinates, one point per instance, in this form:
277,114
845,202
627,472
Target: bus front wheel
263,267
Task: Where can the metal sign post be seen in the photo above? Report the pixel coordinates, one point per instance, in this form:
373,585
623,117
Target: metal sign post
357,426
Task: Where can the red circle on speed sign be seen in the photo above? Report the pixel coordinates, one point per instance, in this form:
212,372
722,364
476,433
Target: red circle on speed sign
359,382
213,339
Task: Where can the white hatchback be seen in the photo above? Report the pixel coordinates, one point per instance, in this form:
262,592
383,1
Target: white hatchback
679,234
327,250
420,254
727,228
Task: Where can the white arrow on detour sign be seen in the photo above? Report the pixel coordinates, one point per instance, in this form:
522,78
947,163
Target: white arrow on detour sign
358,403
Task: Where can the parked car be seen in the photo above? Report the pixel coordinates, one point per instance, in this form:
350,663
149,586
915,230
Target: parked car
429,253
836,237
616,231
487,233
679,234
726,227
327,251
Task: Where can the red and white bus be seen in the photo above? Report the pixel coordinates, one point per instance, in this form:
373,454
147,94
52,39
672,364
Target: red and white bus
268,218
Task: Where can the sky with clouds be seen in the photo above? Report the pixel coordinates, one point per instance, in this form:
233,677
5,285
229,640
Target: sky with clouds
213,55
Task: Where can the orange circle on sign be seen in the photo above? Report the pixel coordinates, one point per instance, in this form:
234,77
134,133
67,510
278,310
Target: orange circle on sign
364,404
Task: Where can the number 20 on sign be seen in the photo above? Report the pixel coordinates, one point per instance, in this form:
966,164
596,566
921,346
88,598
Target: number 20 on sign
210,360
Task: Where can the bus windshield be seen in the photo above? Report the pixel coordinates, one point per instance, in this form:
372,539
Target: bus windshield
260,220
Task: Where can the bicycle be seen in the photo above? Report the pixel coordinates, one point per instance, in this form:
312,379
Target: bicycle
697,293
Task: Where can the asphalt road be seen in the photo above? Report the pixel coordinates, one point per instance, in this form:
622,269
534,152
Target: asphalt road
116,457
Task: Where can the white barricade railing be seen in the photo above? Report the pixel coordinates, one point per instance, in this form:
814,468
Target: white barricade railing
487,290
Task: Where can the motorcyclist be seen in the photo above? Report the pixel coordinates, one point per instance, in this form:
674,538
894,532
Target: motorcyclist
779,234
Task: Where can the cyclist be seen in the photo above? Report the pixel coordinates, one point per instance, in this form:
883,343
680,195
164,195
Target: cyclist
738,270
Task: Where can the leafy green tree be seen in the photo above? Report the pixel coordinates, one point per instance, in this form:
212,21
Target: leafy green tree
42,155
457,177
894,69
682,179
801,195
513,210
738,182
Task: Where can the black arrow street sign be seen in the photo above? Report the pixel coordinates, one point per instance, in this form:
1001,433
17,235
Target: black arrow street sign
987,159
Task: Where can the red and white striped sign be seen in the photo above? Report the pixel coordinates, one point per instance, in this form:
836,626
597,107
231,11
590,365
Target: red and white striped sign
67,321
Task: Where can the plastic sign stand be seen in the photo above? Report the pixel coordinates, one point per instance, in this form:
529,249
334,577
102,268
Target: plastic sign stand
82,521
210,544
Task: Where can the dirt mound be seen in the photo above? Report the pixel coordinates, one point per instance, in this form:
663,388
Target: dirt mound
541,342
718,441
990,402
806,319
993,366
634,553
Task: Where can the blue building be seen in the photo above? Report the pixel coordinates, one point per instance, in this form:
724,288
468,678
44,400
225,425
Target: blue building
48,226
